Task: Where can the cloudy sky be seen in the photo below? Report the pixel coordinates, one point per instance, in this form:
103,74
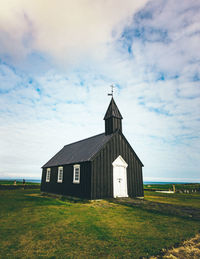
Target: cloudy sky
58,59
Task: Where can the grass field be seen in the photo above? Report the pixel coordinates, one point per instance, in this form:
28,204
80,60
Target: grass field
35,226
189,200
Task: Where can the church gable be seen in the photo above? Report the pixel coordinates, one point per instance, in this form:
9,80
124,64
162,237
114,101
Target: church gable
118,143
102,168
134,153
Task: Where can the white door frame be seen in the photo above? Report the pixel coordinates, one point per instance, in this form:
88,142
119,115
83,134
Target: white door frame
118,163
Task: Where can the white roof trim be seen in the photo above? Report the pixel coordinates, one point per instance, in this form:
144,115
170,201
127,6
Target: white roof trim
119,161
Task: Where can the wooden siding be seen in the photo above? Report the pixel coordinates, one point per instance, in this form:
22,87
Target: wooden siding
102,169
112,124
67,187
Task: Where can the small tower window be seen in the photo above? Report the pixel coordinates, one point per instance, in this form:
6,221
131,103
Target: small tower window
60,174
48,174
76,177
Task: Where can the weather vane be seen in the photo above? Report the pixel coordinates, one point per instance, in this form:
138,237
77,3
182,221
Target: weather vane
111,94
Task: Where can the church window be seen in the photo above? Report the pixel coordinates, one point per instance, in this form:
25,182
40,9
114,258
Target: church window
76,177
60,174
48,174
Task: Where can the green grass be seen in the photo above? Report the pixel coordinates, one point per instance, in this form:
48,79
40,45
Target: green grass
180,199
35,226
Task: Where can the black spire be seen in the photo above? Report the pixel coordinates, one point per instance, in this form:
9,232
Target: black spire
113,118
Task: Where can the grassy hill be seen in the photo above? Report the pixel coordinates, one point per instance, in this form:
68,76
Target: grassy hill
36,226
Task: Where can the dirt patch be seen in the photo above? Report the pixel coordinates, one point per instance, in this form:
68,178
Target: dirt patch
101,203
188,249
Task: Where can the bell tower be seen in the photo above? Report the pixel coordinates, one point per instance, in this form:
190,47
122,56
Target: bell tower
113,118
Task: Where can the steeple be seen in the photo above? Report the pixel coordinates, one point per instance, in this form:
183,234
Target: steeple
113,118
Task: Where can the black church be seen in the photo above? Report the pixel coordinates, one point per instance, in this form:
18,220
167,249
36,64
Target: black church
102,166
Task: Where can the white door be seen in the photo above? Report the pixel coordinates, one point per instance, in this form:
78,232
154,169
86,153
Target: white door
120,178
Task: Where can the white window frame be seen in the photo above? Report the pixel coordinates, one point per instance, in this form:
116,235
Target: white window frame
48,174
75,180
60,174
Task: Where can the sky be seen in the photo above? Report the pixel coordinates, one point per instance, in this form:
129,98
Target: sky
58,59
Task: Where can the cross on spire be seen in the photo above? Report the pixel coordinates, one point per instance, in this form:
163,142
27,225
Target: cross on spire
111,94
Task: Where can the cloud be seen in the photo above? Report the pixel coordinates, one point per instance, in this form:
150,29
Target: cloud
8,78
165,36
55,78
67,31
162,41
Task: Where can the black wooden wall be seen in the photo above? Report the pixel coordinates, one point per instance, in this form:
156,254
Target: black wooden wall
112,124
67,187
102,169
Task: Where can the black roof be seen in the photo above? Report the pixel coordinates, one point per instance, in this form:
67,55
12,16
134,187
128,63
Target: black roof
79,151
112,111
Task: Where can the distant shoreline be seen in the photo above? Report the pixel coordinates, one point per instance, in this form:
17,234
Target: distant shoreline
148,182
21,180
39,181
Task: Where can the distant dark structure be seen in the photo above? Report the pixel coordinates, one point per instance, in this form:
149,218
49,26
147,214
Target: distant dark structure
101,166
